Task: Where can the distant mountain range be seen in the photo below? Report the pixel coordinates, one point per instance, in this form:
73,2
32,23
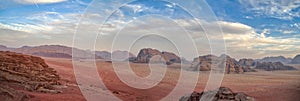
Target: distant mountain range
59,51
276,59
296,60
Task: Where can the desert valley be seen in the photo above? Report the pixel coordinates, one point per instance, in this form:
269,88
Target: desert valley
46,73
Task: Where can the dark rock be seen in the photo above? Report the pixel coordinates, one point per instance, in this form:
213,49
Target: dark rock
221,94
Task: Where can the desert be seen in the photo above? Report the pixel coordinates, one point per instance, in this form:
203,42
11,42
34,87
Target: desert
262,85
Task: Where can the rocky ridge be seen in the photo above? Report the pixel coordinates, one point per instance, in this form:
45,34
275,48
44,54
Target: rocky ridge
205,63
25,71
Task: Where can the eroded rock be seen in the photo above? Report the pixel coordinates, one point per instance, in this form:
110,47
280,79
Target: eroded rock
207,62
221,94
146,54
26,71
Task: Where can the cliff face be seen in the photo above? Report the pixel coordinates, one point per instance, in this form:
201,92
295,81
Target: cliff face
247,64
205,63
145,55
29,72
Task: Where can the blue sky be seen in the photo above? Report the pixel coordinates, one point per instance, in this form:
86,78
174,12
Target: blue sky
251,28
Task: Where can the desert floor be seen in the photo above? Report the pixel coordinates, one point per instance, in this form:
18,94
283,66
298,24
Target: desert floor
262,85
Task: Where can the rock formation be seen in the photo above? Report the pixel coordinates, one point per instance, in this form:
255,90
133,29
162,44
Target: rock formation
146,54
10,94
221,94
247,64
296,60
26,71
271,66
205,63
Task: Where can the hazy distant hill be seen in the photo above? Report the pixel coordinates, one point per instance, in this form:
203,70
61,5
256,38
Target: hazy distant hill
281,59
121,55
104,54
296,60
57,51
271,66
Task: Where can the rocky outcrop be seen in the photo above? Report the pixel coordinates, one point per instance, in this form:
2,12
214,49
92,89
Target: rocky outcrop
271,66
10,94
281,59
205,63
296,60
248,65
146,55
221,94
26,71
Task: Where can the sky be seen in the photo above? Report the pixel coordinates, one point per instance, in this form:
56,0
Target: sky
250,28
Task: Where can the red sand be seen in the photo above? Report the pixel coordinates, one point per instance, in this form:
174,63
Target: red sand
263,86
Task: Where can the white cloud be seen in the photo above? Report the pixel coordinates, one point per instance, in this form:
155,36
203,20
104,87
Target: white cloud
38,1
281,9
28,28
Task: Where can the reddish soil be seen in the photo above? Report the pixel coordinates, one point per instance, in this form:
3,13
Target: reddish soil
263,86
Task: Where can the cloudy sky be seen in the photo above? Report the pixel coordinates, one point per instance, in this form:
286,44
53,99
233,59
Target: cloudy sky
250,28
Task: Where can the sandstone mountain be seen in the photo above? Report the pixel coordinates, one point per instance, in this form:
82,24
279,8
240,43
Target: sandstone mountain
221,94
205,63
271,66
147,55
296,60
281,59
28,72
